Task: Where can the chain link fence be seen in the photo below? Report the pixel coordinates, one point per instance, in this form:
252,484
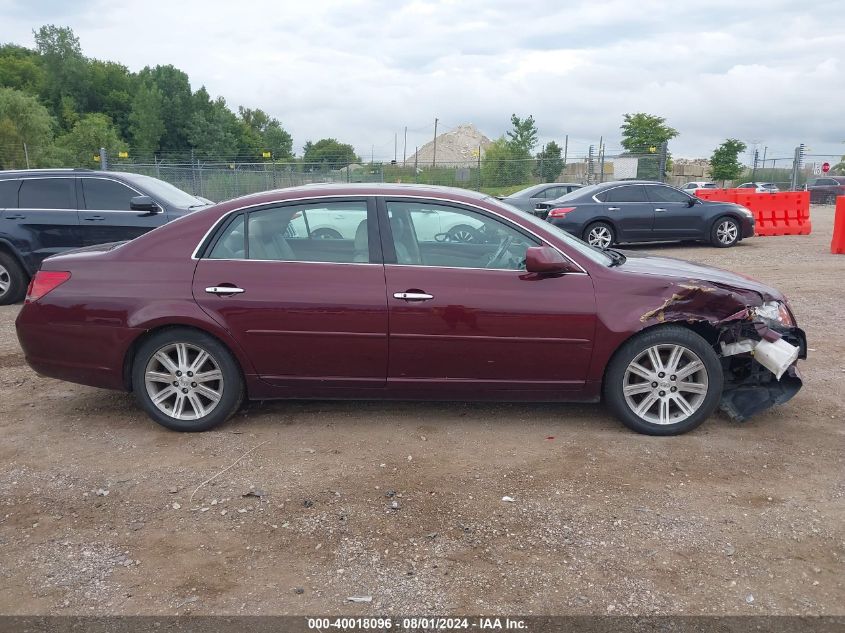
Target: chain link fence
221,178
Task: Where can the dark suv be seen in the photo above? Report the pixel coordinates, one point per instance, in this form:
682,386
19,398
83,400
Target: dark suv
825,190
47,211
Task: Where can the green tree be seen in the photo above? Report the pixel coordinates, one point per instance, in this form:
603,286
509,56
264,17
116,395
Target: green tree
724,164
176,106
549,162
23,120
523,137
641,132
146,124
67,85
86,137
329,152
20,68
214,131
504,165
264,133
112,88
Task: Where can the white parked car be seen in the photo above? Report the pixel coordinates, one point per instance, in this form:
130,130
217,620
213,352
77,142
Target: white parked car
760,187
691,187
430,225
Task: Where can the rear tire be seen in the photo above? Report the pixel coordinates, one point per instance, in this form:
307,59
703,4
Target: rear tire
676,402
600,235
725,233
186,380
13,280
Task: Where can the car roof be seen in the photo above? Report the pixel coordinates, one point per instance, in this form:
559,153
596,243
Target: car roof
357,189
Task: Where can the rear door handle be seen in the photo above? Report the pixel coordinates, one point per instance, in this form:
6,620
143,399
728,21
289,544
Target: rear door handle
659,209
224,290
413,296
613,208
94,218
16,217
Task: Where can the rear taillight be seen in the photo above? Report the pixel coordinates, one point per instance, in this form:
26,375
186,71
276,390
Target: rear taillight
45,281
559,213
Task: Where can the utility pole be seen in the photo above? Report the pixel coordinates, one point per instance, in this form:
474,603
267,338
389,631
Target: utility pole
601,158
565,149
754,168
765,149
405,147
26,155
395,147
434,153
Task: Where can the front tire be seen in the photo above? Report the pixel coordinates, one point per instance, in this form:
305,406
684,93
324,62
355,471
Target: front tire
600,235
13,280
726,232
665,381
186,380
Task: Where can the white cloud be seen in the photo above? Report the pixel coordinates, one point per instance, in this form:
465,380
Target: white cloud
361,71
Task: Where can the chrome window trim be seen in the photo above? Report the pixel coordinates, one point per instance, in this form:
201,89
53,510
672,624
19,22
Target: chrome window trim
290,261
636,184
428,196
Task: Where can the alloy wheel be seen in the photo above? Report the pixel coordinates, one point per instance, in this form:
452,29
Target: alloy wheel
665,384
5,280
599,236
184,381
727,232
461,235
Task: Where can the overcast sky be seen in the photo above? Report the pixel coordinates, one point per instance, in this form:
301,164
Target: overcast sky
769,72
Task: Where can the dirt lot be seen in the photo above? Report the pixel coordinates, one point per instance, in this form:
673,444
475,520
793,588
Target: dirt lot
96,514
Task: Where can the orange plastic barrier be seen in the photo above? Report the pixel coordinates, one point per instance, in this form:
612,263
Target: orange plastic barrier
837,244
785,213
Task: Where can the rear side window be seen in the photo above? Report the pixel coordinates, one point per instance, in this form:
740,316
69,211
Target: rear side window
627,193
9,194
47,193
324,232
105,195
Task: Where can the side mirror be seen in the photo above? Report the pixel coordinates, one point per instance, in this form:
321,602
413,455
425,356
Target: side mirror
143,203
691,201
546,260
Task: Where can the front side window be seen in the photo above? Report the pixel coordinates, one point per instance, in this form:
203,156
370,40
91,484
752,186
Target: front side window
667,194
106,195
626,193
332,232
47,193
431,234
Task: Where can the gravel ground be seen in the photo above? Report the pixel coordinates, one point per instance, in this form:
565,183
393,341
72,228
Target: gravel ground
403,501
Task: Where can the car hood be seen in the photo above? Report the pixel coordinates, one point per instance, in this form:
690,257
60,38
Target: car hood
682,270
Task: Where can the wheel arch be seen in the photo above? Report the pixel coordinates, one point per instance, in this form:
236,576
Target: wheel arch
6,247
705,330
132,350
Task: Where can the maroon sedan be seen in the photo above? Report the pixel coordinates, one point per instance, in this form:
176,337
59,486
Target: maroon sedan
365,292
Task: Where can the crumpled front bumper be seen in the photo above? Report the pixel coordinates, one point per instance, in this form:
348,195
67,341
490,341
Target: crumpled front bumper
750,388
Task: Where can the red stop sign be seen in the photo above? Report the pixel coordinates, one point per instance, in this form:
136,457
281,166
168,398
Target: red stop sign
825,167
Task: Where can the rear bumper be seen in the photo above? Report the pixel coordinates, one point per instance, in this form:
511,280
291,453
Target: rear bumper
88,353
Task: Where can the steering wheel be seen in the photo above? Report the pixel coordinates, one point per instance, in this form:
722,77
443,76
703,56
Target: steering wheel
503,247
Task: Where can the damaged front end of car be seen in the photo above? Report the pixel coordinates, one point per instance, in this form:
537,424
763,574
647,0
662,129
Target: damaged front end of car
759,353
757,341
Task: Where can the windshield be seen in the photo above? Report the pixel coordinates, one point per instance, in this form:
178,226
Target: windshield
166,192
595,254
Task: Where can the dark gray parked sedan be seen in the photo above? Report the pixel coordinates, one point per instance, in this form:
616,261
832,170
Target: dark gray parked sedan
527,199
646,211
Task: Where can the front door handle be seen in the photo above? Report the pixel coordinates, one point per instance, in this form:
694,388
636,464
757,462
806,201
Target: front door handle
659,209
16,217
413,296
613,208
94,218
224,290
